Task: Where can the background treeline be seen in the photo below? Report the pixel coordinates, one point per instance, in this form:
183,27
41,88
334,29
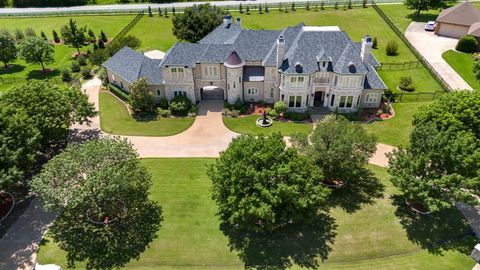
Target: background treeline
48,3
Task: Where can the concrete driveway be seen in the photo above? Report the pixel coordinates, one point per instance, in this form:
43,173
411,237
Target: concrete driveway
432,47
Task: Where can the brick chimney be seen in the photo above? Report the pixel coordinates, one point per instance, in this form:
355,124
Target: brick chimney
280,50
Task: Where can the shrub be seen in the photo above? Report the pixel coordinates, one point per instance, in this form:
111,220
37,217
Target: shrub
375,43
91,36
180,105
193,110
66,75
118,92
467,44
19,35
364,3
165,113
103,37
392,48
336,5
75,67
56,38
235,113
29,32
272,113
476,56
163,103
82,61
240,106
406,84
294,116
42,34
86,72
280,107
225,112
101,44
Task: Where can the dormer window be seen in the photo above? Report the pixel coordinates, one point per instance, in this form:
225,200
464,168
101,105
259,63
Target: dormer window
298,67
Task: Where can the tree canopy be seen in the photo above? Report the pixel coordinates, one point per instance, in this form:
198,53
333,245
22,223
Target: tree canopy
261,186
100,191
8,49
422,5
341,149
196,22
73,35
441,164
33,117
141,99
36,50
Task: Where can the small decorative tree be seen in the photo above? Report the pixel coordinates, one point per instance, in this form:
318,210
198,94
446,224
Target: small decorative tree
141,99
91,36
392,48
29,32
19,35
364,3
406,84
293,6
42,34
467,44
8,49
307,7
322,5
73,35
266,8
173,11
103,36
35,50
150,11
160,13
240,8
248,9
56,39
165,13
350,5
336,5
260,11
375,43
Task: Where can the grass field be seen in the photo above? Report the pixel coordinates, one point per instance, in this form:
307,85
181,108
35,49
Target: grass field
115,119
462,63
380,235
247,124
396,131
111,25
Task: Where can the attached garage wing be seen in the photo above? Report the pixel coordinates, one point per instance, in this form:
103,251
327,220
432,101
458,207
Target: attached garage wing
452,30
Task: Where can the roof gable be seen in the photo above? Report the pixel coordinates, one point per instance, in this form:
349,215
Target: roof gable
463,14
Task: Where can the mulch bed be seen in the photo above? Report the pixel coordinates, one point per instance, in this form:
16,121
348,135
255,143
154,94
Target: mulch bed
369,115
45,71
6,205
257,109
417,207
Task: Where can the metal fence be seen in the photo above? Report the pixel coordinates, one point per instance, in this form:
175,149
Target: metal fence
424,62
128,27
252,5
413,97
401,65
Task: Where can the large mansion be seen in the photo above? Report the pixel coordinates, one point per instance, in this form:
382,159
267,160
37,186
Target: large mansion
304,66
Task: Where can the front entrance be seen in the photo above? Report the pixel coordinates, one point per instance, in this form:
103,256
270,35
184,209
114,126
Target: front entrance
211,93
318,99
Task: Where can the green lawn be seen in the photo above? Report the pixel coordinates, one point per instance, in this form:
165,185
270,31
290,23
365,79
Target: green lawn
379,236
111,25
396,131
155,33
462,63
422,79
246,125
115,119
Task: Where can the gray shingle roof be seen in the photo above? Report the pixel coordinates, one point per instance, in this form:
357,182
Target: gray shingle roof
132,65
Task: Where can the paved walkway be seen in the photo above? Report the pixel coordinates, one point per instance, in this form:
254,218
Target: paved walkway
432,47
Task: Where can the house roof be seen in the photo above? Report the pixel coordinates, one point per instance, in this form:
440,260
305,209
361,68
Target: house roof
132,65
474,29
462,14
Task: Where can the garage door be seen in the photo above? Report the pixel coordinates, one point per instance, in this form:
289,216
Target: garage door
452,30
212,94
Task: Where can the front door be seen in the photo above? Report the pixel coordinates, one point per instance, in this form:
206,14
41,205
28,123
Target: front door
318,99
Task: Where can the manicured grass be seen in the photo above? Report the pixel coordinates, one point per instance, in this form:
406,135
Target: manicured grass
379,236
246,125
462,63
422,79
396,131
155,33
115,119
111,25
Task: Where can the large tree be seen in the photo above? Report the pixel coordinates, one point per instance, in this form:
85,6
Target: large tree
141,99
51,109
8,49
341,149
442,163
196,22
73,35
19,143
100,190
36,50
261,186
421,5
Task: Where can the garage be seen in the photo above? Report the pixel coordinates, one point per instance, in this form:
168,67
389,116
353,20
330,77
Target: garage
452,30
212,93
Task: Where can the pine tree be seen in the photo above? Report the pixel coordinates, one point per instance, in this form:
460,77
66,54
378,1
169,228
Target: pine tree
42,34
260,11
160,13
248,9
150,11
55,36
350,6
266,8
240,8
293,6
322,6
307,7
103,36
165,13
173,11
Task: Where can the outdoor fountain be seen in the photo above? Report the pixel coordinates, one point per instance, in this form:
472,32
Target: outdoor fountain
264,121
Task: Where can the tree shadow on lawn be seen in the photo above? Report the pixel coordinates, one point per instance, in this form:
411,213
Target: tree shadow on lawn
40,75
11,69
366,189
439,231
423,17
303,245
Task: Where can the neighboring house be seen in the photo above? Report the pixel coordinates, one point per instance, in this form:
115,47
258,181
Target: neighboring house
458,21
304,66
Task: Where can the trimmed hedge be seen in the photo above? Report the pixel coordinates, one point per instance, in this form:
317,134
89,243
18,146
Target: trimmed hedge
467,44
118,92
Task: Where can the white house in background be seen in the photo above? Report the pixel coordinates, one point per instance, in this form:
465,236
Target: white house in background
304,66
